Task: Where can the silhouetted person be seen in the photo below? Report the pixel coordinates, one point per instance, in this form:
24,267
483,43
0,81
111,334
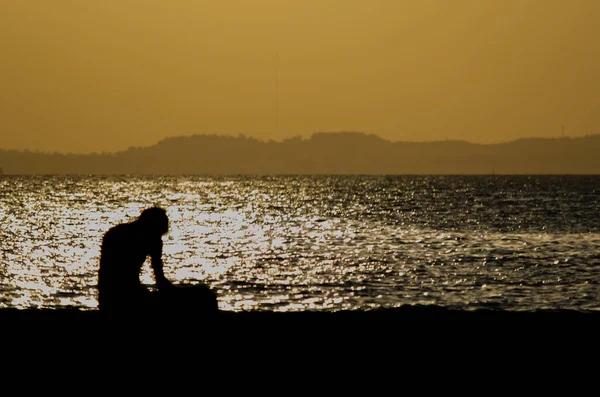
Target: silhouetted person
124,250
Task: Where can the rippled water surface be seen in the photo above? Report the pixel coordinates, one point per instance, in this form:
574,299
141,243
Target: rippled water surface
321,243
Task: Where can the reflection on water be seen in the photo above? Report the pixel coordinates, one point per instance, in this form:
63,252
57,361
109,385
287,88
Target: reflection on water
322,243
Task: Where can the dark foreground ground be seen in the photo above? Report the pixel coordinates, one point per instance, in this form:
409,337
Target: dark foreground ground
406,320
430,347
411,335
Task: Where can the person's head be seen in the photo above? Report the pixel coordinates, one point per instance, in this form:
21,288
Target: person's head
155,220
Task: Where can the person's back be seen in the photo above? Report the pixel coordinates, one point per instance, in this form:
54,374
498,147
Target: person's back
122,256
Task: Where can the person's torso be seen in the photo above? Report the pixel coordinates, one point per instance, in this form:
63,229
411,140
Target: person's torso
124,250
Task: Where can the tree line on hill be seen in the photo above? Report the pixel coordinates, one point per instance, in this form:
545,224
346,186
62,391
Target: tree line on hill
322,153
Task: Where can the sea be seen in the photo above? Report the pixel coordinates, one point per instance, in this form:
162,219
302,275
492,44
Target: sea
321,243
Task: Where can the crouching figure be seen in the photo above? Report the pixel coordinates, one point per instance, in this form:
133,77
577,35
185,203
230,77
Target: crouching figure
124,250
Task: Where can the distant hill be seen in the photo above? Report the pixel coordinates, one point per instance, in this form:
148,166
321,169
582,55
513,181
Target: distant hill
322,153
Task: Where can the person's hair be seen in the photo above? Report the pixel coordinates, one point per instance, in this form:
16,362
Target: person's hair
156,219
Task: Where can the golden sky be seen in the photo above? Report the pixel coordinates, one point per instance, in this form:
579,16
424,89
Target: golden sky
83,76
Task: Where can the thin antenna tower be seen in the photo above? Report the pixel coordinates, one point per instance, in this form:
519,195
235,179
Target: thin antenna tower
277,92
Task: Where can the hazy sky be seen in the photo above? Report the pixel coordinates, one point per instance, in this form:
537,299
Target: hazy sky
82,76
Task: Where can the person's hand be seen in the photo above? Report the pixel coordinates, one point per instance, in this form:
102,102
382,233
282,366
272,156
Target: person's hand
165,285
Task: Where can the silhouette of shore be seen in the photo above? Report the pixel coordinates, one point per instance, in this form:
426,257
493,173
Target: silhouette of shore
406,318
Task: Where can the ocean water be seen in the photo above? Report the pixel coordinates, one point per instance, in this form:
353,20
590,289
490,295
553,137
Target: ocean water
292,243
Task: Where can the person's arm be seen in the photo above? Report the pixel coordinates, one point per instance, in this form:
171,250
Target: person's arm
157,265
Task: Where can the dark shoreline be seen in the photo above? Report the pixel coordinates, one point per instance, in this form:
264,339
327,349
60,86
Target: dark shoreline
401,317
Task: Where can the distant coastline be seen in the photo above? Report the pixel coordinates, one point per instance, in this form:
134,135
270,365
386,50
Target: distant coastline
322,153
